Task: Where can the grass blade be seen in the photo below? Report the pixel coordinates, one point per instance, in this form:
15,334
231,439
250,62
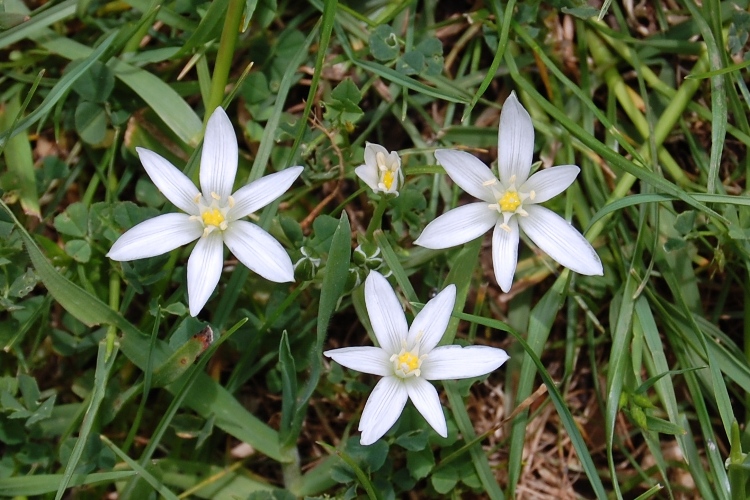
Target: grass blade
104,365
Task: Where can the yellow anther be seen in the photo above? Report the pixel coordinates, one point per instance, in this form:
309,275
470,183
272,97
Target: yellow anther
410,360
388,178
231,201
215,196
510,201
489,182
212,217
197,198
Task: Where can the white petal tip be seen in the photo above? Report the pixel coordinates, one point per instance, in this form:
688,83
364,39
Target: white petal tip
366,442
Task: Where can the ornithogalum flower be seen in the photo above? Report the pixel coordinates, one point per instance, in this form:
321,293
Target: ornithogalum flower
212,216
510,202
407,358
382,170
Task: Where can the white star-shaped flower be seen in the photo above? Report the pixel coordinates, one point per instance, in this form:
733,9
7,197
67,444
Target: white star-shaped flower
407,358
212,216
382,170
511,202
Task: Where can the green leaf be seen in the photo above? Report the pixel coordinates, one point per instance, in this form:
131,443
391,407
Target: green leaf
60,89
104,365
674,244
384,45
413,440
96,83
91,122
206,396
29,391
142,473
334,281
288,386
684,222
208,29
584,12
663,426
73,221
23,285
444,479
40,484
43,412
11,19
79,250
432,50
420,463
19,158
178,363
361,476
344,103
411,63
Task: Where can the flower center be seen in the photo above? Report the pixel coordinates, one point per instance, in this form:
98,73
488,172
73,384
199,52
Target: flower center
212,217
510,201
388,179
407,363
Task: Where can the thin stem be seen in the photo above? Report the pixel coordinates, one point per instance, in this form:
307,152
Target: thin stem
225,55
377,217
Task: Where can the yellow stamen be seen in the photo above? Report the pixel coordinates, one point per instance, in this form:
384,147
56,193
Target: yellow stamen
408,361
510,201
212,217
388,178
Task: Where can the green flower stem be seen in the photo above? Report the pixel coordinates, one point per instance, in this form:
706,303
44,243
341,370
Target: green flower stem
291,470
224,56
114,303
377,217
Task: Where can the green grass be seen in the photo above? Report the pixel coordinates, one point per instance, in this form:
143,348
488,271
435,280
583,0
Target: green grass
644,370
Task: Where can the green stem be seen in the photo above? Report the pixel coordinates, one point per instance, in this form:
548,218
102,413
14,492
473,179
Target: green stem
291,470
225,55
114,303
377,217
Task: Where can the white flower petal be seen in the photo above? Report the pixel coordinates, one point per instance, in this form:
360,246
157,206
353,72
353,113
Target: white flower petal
450,362
259,251
430,323
204,270
386,316
550,182
219,156
425,398
365,359
383,407
515,141
458,226
560,240
468,172
155,237
256,195
505,253
371,153
171,182
369,176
